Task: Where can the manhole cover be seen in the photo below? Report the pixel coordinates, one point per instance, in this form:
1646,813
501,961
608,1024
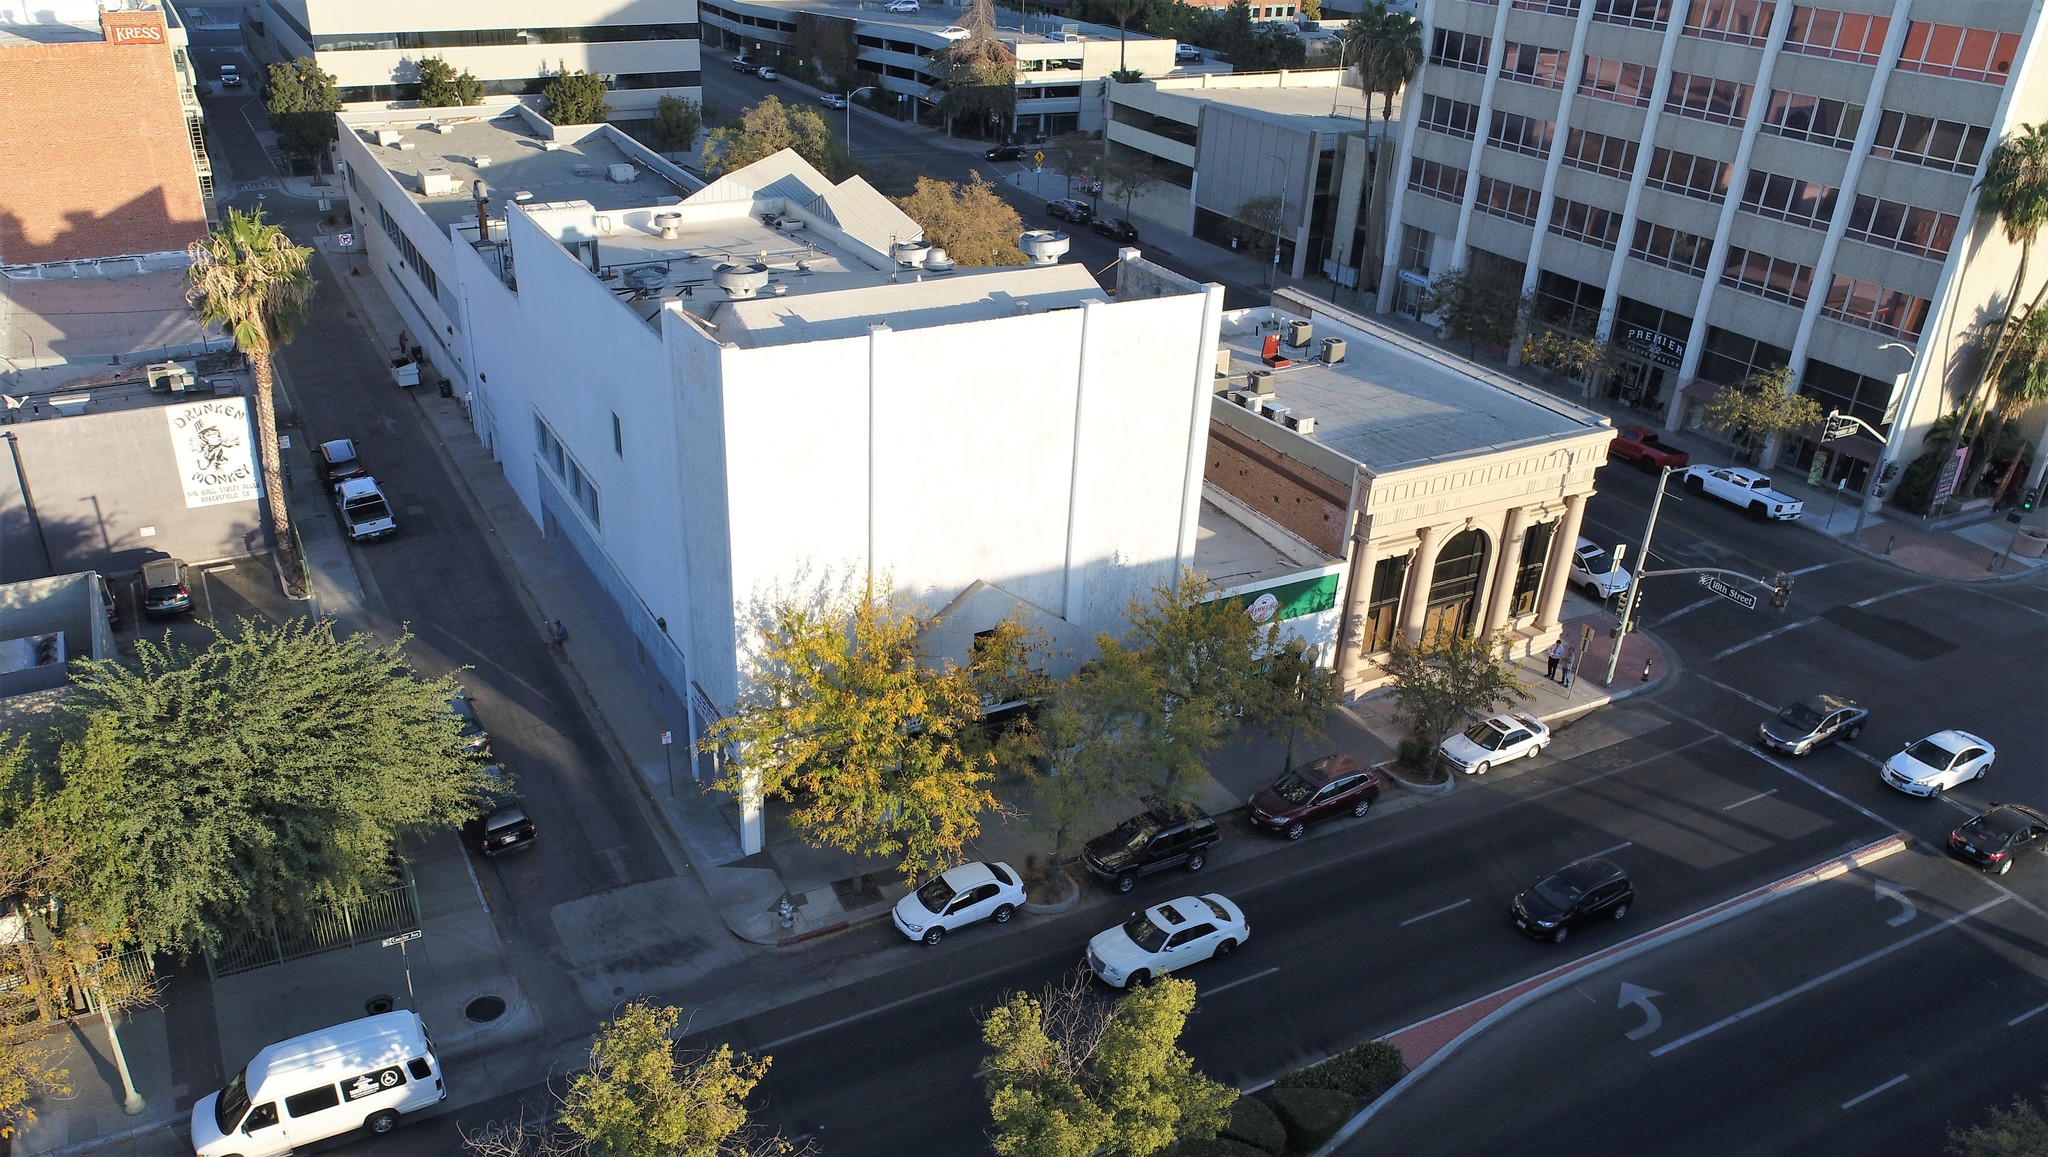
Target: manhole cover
379,1005
484,1009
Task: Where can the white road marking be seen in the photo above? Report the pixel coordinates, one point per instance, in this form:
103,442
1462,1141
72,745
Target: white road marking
1749,799
2023,1016
1688,609
1890,595
1636,994
1435,912
878,1010
1816,566
1855,1101
1238,981
1766,636
1802,777
1897,894
1816,982
1611,851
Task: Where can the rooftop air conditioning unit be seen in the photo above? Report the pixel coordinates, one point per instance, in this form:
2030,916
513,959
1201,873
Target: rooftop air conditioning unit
1275,412
1299,333
1333,350
1301,423
481,161
407,146
1222,363
551,146
622,173
583,170
437,183
1260,383
389,137
669,224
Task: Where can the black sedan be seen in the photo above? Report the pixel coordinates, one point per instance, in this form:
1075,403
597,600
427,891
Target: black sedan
1812,722
1006,153
505,828
1575,893
1992,841
339,462
1115,228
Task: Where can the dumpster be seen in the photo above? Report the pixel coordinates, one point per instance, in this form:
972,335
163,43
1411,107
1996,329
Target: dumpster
405,371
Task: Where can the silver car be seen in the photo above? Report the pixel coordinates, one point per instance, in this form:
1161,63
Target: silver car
1496,740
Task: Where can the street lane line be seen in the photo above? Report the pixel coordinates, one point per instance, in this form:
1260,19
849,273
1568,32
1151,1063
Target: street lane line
1766,635
2023,1016
1855,1101
878,1010
1609,851
1751,799
1435,912
1709,601
1816,566
1773,1002
1801,776
1235,983
1891,595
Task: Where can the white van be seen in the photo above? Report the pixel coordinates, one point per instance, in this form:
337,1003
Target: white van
359,1075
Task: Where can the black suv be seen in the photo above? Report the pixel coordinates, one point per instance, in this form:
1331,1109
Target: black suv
1162,837
1587,890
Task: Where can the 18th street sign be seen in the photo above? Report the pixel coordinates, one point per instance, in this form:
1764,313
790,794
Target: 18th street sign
1727,592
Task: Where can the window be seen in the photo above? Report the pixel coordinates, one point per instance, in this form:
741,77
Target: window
1634,13
1875,307
1618,80
1461,50
1532,64
1789,199
1415,246
618,437
1582,222
1840,35
1567,302
414,260
1730,357
1964,53
1437,180
1906,228
1687,175
1554,7
1849,392
1599,153
1529,575
1768,277
564,466
1515,202
1388,577
1742,21
1520,134
1938,144
1453,118
1707,98
1813,118
1672,248
312,1101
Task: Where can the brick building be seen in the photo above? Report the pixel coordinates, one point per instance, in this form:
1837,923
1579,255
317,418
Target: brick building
101,152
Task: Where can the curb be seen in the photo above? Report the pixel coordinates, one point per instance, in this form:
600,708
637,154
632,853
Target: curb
101,1143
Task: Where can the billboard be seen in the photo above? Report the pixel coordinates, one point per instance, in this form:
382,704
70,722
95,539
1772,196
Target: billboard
1290,598
216,451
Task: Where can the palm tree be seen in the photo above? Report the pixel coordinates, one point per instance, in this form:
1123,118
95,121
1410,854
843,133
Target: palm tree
1389,50
2023,385
248,278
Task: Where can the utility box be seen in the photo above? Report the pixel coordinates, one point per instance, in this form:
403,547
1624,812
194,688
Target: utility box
1300,333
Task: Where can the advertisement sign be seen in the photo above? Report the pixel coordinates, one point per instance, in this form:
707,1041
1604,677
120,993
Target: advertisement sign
1290,598
215,451
1951,474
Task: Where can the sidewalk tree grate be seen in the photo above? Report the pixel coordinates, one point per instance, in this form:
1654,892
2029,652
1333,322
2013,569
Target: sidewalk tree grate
484,1009
858,892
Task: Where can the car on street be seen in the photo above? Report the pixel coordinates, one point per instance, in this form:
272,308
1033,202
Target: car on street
958,897
1596,573
230,76
1811,722
1574,894
1187,54
1163,836
166,588
1993,840
473,738
1006,153
1744,488
1115,228
112,608
505,827
1071,210
365,511
953,32
1330,786
767,74
832,100
900,6
1497,740
744,63
339,461
1943,760
1166,938
1642,446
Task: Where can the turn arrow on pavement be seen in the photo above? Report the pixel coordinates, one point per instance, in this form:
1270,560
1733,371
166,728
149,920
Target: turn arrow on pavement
1638,995
1906,910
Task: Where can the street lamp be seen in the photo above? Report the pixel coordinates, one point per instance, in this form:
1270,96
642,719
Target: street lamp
1337,90
849,114
1885,451
1280,221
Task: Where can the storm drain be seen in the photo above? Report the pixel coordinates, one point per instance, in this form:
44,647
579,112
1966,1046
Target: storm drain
484,1009
379,1005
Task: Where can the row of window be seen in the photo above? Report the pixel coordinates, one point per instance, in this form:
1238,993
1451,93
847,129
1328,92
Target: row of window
1977,54
1438,180
1453,118
1620,81
1702,178
1521,134
564,467
1464,51
1588,223
1773,278
1532,64
413,259
1740,21
1672,248
1505,199
1874,307
1793,199
1600,153
501,37
1804,117
1707,98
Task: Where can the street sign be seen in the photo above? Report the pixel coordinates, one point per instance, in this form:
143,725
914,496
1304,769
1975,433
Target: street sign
1951,473
401,938
1727,592
1038,158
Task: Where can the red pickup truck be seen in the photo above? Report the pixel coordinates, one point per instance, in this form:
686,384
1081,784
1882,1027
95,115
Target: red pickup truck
1640,445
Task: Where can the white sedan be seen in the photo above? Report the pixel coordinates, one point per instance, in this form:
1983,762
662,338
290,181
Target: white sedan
900,6
1939,762
1496,740
1166,938
966,895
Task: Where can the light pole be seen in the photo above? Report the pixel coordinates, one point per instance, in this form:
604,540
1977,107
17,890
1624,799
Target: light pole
1280,220
1337,89
1884,453
849,114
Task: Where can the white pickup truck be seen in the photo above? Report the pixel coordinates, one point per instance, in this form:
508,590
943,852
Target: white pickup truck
365,515
1744,488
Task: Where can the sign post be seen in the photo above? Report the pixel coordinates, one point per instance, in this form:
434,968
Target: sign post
400,941
668,760
1730,593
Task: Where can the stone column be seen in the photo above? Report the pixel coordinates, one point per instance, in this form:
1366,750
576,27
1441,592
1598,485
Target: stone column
1507,557
1357,596
1558,572
1415,600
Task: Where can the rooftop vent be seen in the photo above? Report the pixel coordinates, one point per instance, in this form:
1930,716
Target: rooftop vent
670,225
741,282
936,261
522,196
647,277
583,170
1044,246
389,138
551,146
622,173
482,161
437,183
910,254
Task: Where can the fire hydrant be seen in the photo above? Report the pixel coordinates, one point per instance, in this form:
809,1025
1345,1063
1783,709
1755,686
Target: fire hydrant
786,911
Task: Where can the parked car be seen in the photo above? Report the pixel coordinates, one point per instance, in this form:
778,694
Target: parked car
1167,937
1642,446
230,76
953,32
832,100
744,63
1332,785
961,896
1597,574
365,513
1007,153
1159,838
768,74
474,739
900,6
1187,54
1939,762
504,827
339,462
113,608
1993,840
1070,210
1574,894
1115,228
166,588
1811,722
1497,740
1745,488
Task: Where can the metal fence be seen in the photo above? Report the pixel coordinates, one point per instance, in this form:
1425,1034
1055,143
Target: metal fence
338,926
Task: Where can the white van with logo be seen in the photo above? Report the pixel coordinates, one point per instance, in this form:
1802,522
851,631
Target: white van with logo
359,1075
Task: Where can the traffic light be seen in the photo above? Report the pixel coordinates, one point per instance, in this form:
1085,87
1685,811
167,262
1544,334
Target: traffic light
1781,590
1635,618
2028,499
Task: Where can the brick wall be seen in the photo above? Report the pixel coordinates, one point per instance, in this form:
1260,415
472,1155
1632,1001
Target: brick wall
1297,496
95,159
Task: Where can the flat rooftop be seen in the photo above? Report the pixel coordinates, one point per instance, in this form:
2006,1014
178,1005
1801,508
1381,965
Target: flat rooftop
1011,26
1228,553
1291,106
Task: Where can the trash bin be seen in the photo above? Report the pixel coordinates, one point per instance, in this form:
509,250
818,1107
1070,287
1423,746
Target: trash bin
447,388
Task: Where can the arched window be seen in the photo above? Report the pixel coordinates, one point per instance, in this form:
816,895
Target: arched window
1454,585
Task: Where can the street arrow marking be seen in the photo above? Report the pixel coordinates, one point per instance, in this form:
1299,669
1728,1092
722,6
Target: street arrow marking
1907,911
1636,994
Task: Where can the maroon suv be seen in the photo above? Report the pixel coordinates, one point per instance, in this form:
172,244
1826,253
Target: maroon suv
1331,785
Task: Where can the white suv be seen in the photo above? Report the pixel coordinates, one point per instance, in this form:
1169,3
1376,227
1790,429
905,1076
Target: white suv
1595,573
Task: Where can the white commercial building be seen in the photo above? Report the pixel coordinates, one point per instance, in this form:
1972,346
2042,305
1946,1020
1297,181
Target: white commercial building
712,399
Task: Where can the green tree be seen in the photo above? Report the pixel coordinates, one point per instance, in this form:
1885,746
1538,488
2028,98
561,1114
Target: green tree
442,87
250,280
875,746
970,221
677,121
208,794
1477,309
2022,388
302,100
1259,222
638,1098
575,98
1761,406
1072,1075
1388,49
770,127
2020,1131
1443,682
1125,176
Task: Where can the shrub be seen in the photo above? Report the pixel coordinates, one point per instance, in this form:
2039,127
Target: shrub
1415,752
1363,1072
1311,1116
1252,1122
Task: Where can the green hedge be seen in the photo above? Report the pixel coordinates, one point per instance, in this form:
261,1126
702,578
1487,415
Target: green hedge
1311,1116
1252,1122
1363,1072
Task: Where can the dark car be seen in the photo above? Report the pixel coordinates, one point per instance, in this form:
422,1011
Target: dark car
504,829
338,461
166,588
1332,785
474,738
1006,153
1116,228
1070,210
1587,890
746,64
1809,723
107,600
1992,841
1162,837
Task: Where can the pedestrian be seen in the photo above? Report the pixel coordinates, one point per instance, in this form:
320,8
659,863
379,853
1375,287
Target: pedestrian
1571,660
1556,655
404,342
557,633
